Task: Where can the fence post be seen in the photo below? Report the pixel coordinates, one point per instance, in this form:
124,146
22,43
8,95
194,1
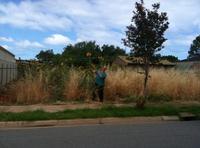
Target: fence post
13,72
1,74
6,69
10,71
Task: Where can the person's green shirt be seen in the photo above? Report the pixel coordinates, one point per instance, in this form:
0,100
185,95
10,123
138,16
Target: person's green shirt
100,78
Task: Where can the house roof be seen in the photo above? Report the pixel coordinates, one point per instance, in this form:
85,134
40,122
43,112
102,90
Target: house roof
166,62
131,60
138,60
3,49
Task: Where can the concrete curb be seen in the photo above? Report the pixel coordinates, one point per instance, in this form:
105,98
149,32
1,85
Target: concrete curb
170,118
79,122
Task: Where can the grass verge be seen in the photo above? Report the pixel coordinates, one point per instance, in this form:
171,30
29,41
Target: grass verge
108,111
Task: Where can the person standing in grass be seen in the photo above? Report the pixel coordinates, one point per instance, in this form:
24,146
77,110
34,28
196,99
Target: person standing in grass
100,77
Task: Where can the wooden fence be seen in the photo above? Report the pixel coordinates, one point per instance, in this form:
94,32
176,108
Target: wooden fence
8,72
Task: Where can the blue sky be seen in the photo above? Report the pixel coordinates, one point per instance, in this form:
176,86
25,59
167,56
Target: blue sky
28,26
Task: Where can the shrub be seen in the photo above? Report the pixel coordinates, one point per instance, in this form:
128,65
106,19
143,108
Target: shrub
57,77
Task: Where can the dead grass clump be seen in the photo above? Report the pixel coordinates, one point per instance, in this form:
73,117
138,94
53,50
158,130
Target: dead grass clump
72,90
176,84
122,83
173,84
29,90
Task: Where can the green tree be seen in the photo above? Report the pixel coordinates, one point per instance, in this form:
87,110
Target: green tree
195,48
110,52
57,59
77,54
145,36
46,56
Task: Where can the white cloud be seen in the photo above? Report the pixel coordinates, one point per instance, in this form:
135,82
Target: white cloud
183,14
182,40
31,15
185,40
68,14
101,36
81,16
102,20
57,39
179,45
5,39
59,14
25,44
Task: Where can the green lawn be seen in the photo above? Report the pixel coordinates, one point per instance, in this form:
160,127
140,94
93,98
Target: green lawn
108,111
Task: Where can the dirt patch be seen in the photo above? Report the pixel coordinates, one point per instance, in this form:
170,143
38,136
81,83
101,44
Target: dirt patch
53,108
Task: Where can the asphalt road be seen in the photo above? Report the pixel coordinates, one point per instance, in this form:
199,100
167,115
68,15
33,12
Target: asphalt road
148,135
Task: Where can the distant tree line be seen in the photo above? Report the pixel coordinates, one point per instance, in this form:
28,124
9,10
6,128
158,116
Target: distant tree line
82,54
85,53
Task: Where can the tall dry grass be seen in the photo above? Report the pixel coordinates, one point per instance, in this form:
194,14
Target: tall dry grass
78,85
72,90
173,84
176,84
30,89
122,83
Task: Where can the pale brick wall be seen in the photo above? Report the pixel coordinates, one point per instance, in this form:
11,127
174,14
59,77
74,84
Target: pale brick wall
8,67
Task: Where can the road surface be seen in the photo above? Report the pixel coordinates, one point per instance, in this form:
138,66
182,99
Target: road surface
146,135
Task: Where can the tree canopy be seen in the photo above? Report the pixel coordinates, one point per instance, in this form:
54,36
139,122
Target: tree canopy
82,54
145,36
110,52
195,48
46,56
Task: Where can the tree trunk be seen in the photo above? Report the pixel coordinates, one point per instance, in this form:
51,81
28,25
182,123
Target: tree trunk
142,100
145,93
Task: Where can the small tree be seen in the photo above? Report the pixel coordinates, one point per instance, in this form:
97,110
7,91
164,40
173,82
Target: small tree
195,48
145,37
45,56
110,52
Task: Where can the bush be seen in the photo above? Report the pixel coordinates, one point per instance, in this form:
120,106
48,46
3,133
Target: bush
57,77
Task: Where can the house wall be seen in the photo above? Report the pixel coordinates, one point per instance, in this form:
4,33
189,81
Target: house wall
8,67
6,57
193,65
121,63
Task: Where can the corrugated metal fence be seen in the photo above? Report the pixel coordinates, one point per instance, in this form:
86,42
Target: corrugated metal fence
8,72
